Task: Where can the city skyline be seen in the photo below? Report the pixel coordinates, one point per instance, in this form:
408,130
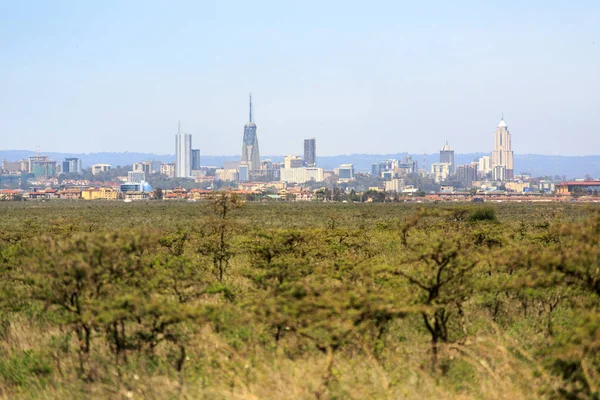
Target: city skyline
392,75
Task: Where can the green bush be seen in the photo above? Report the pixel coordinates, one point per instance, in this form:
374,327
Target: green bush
483,214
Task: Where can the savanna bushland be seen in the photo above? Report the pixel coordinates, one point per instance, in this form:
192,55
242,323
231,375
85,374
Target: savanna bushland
231,300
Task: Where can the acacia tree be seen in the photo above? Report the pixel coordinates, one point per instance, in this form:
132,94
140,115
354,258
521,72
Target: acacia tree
440,264
216,242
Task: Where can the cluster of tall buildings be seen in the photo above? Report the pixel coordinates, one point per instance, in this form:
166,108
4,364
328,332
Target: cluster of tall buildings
187,160
497,167
43,167
294,169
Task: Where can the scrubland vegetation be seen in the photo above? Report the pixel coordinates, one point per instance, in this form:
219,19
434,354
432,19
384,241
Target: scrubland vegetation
224,300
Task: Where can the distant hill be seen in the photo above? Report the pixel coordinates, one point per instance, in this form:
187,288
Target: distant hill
535,164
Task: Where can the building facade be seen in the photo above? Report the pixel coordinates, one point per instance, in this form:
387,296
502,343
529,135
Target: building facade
42,167
168,170
447,156
250,151
98,168
310,152
466,174
183,154
301,175
71,165
440,171
293,162
195,160
502,156
346,172
484,166
136,176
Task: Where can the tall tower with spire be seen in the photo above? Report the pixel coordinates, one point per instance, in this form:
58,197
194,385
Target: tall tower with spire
502,156
250,152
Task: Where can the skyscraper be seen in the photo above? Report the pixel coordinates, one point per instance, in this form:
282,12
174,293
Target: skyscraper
447,156
502,156
250,152
195,160
183,154
310,152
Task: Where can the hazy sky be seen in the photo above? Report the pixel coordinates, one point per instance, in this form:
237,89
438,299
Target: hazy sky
360,76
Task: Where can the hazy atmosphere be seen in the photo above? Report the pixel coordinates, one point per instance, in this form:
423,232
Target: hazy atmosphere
361,77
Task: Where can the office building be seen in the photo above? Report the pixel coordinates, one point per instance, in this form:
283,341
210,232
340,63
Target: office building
250,151
266,165
447,156
301,175
183,154
243,173
147,167
231,175
142,187
13,167
98,168
440,171
466,174
293,162
195,159
499,173
484,166
136,176
168,170
394,185
310,152
42,167
71,166
502,156
406,166
346,172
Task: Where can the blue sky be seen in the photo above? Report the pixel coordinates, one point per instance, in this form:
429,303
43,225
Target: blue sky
361,77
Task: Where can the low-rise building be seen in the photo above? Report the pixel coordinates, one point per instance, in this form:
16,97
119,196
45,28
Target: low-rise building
101,193
578,187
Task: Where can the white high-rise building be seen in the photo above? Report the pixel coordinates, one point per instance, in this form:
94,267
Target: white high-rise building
183,154
503,156
484,166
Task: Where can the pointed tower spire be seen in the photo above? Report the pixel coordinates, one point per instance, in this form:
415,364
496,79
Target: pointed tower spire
250,107
178,126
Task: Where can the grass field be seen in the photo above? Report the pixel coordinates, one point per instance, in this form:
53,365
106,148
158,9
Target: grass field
233,300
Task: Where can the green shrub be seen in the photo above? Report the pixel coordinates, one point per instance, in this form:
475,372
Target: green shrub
483,214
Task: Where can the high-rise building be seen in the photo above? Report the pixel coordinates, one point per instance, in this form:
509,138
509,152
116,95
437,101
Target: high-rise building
440,171
485,166
148,167
42,167
502,155
447,156
250,152
183,154
346,172
136,176
168,170
195,160
293,162
466,174
71,165
243,173
310,152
